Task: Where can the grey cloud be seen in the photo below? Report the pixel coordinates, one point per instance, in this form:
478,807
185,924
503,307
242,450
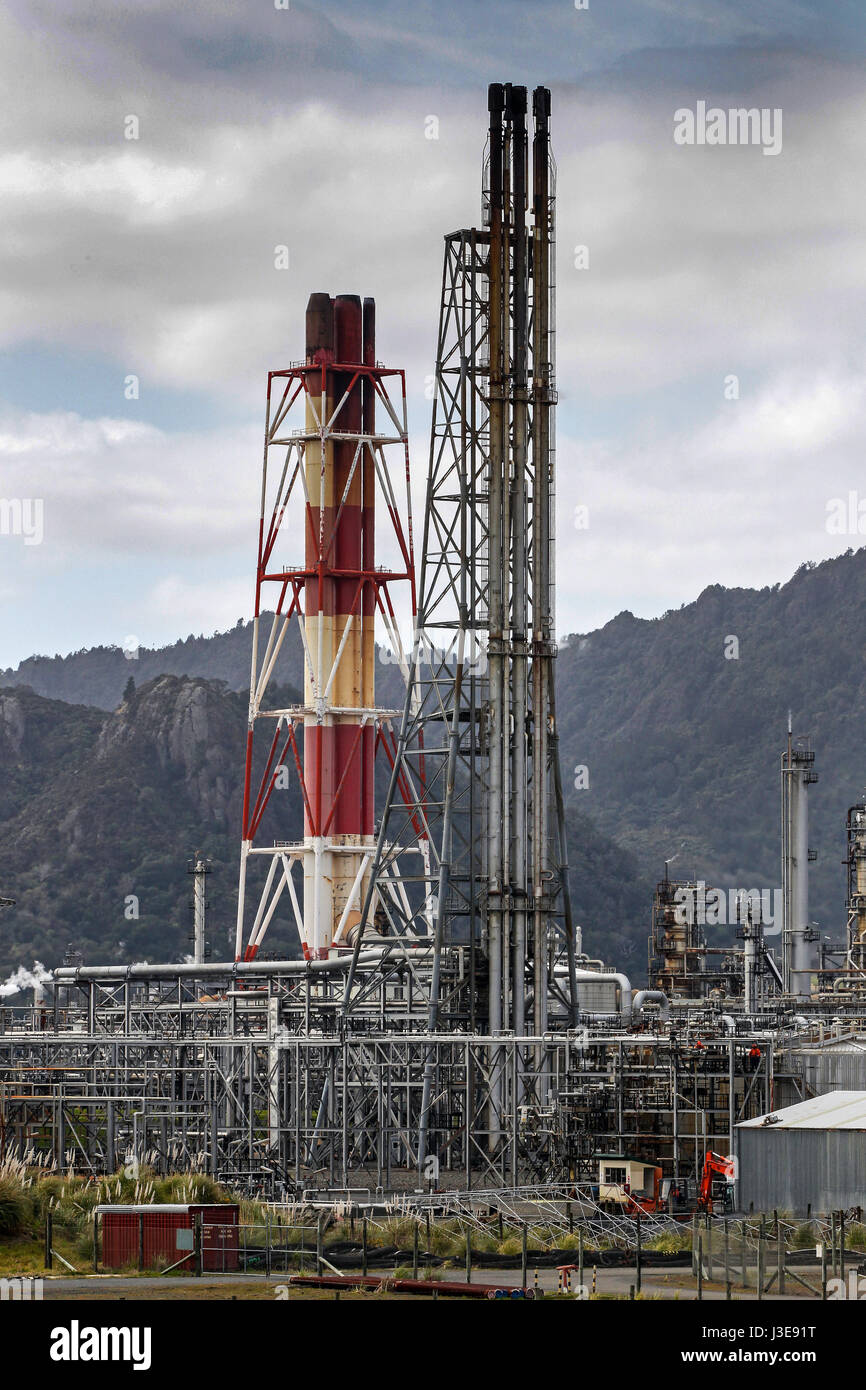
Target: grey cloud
703,262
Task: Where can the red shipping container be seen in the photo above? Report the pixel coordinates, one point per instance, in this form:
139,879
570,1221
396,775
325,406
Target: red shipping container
165,1231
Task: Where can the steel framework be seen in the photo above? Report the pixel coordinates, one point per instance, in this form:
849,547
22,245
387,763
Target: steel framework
325,464
473,825
144,1067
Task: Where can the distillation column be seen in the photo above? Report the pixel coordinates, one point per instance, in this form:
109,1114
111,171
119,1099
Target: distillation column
857,887
799,937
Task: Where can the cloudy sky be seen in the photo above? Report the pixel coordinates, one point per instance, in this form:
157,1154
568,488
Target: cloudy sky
306,126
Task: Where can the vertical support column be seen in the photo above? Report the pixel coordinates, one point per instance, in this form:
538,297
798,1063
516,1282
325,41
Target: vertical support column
519,516
504,808
110,1118
367,602
541,634
495,630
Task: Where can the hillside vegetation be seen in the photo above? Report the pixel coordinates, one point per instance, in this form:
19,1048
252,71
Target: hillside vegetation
678,727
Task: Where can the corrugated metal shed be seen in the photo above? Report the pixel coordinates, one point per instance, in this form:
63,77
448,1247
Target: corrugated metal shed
834,1066
158,1234
806,1157
837,1110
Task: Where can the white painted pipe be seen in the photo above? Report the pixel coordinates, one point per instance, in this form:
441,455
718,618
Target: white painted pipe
64,974
650,996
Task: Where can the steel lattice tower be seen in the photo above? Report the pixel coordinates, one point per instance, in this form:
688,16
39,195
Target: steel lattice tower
473,826
328,467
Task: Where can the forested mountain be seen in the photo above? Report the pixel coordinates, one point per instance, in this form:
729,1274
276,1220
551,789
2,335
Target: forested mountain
101,812
676,726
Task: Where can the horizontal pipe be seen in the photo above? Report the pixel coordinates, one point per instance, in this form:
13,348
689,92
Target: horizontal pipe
83,974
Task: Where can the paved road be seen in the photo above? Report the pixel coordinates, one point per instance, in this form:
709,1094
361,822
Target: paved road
666,1283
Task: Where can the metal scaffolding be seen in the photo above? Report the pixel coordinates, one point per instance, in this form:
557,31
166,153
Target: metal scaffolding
239,1076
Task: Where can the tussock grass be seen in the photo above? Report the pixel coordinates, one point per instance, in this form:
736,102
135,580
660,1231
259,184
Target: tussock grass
15,1208
855,1236
671,1242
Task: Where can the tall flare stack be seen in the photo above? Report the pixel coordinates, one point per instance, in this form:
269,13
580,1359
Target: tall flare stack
334,463
339,614
479,759
523,800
